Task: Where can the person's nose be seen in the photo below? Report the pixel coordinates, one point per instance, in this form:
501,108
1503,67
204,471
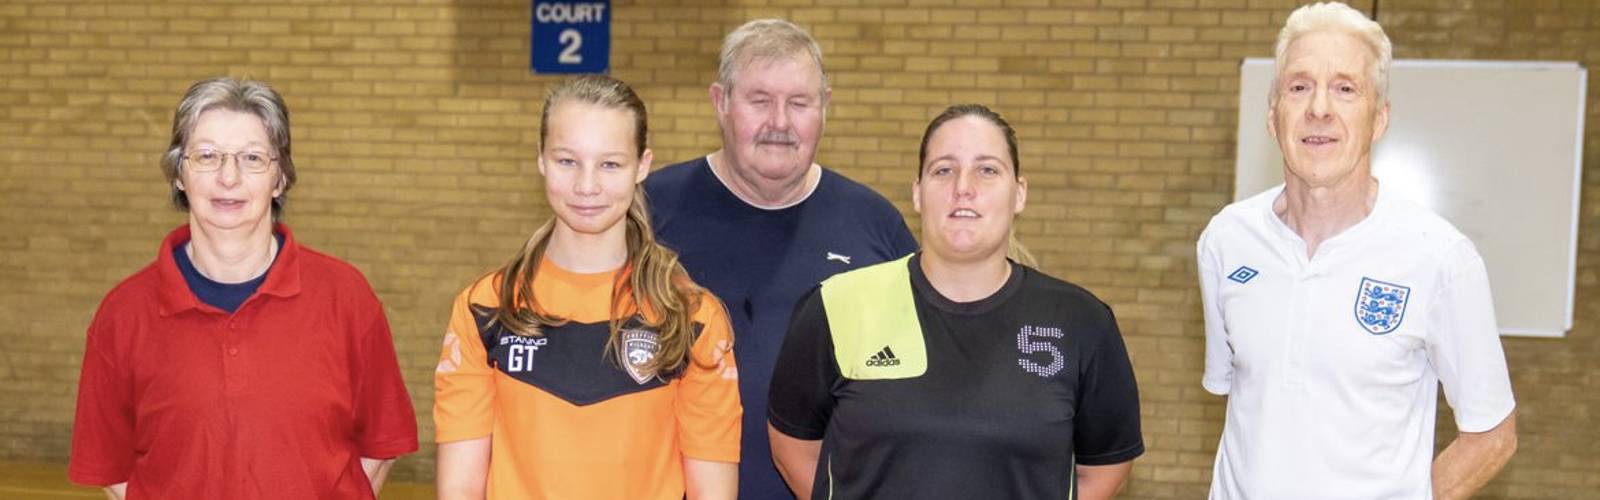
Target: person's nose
780,117
229,173
588,181
1321,103
965,185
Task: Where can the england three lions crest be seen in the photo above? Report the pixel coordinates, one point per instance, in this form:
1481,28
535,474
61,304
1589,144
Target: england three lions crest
1381,306
639,348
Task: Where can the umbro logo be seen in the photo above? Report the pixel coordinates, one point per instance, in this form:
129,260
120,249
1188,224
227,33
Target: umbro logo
1243,274
841,258
884,357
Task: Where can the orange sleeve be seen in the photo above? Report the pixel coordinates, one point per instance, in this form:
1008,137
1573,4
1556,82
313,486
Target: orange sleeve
707,406
463,382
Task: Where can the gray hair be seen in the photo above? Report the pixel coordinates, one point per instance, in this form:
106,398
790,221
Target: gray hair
1335,16
764,40
244,96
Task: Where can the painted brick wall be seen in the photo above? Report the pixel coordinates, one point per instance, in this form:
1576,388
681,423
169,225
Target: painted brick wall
415,129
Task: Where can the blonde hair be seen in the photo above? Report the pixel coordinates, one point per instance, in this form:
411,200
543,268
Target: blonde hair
1335,16
765,40
651,284
1018,252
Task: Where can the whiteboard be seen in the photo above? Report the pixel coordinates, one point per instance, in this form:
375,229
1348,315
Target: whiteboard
1494,147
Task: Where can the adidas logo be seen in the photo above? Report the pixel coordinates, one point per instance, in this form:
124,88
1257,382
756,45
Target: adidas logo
884,357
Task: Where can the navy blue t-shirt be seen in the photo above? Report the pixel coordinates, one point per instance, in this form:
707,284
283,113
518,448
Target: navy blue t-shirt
224,296
760,263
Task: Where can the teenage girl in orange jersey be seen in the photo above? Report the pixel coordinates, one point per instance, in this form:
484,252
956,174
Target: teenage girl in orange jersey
589,366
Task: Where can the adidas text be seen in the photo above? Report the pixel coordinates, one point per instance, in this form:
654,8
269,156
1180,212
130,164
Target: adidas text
884,357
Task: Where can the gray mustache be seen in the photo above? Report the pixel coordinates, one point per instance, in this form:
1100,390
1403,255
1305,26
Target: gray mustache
777,137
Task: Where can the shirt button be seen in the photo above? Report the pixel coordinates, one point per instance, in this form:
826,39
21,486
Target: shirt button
233,351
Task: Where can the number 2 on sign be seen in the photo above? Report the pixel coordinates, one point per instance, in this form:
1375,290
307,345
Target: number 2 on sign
572,40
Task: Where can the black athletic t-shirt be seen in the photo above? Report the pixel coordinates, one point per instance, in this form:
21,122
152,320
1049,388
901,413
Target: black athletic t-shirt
1018,387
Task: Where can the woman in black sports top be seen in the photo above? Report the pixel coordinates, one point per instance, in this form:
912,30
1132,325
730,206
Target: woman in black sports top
956,372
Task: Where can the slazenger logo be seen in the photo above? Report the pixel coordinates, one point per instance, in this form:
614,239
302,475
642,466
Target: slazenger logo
883,358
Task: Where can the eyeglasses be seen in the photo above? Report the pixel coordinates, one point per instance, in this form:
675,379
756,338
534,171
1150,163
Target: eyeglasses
211,160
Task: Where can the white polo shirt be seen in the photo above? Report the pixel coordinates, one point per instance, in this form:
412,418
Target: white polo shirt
1331,364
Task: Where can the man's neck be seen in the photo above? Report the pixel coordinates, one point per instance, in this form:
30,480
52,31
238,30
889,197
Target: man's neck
761,192
1318,213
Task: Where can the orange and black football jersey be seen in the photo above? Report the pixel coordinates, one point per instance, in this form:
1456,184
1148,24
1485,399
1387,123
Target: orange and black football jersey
567,419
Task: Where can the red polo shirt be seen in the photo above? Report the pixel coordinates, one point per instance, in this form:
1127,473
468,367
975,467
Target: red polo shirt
280,399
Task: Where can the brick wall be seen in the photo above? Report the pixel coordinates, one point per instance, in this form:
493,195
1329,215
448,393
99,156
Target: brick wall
415,129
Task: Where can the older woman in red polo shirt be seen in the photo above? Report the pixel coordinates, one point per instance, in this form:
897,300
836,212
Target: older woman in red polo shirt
240,364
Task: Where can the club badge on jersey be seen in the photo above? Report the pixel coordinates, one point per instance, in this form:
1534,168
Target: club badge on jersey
1381,306
639,347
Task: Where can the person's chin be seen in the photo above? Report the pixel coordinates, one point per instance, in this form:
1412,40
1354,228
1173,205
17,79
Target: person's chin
964,244
228,221
779,166
591,225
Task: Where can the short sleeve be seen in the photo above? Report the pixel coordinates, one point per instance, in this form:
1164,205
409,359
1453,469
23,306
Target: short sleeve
387,423
1464,343
901,243
463,381
103,429
1106,429
801,398
707,403
1218,377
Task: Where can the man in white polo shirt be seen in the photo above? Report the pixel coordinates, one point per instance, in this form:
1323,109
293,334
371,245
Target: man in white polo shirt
1334,307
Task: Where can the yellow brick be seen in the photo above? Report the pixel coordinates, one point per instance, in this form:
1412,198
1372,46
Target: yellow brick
1126,111
268,27
45,10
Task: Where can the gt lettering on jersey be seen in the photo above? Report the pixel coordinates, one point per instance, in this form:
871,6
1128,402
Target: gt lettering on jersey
519,356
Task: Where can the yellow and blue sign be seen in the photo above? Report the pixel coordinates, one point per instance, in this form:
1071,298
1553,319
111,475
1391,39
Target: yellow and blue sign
571,36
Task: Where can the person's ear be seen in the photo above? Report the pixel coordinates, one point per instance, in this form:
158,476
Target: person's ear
719,98
644,165
1380,123
1272,121
916,195
1022,195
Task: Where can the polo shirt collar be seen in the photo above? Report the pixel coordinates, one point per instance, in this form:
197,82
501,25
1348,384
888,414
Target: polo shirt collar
1297,245
283,278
